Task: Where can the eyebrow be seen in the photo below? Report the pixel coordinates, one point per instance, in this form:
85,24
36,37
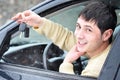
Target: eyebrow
88,26
84,25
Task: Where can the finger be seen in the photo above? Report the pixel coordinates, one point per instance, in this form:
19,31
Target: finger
19,21
17,16
26,16
27,12
78,54
22,15
74,49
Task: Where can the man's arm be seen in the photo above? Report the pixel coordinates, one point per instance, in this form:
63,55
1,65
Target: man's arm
60,35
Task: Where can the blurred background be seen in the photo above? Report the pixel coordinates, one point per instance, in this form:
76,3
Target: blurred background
9,8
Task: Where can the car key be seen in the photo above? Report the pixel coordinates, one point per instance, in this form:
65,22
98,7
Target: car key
22,29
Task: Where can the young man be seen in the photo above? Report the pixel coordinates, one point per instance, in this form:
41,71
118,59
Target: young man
94,29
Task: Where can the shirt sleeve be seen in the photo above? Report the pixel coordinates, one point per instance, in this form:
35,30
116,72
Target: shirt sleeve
66,68
59,35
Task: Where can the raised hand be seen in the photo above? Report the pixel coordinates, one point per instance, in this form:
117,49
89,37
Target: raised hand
29,17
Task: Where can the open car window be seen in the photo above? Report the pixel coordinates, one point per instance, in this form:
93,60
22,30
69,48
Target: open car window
29,51
66,17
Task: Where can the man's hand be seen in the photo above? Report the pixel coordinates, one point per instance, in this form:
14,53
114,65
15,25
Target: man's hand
73,55
29,17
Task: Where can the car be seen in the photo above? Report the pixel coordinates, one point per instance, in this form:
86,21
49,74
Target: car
27,55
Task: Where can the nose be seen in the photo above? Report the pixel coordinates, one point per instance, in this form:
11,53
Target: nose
80,34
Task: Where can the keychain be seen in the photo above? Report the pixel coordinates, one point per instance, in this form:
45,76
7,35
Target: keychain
24,30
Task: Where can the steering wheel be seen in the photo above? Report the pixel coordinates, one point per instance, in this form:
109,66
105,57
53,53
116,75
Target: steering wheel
52,57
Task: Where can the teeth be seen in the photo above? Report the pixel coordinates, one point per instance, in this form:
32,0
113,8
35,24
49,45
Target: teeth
82,42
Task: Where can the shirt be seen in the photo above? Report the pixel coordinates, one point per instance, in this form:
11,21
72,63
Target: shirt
93,67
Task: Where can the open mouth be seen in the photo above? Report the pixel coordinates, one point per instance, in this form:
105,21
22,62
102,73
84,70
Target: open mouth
80,45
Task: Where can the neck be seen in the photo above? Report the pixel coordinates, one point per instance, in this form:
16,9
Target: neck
98,51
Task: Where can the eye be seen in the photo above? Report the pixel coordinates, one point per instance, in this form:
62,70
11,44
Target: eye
88,30
78,26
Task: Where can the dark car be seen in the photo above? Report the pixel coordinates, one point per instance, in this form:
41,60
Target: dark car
27,55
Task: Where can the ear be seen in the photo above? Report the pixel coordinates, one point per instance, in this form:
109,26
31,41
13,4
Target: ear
107,34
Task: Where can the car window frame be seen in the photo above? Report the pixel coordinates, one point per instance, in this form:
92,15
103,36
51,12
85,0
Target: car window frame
113,57
23,71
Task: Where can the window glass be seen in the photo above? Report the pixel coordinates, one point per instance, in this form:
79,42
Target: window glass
118,16
118,24
67,17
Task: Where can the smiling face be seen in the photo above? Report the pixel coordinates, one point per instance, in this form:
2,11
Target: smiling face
89,37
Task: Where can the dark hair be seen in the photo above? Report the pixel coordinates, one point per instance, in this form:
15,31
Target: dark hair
103,15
